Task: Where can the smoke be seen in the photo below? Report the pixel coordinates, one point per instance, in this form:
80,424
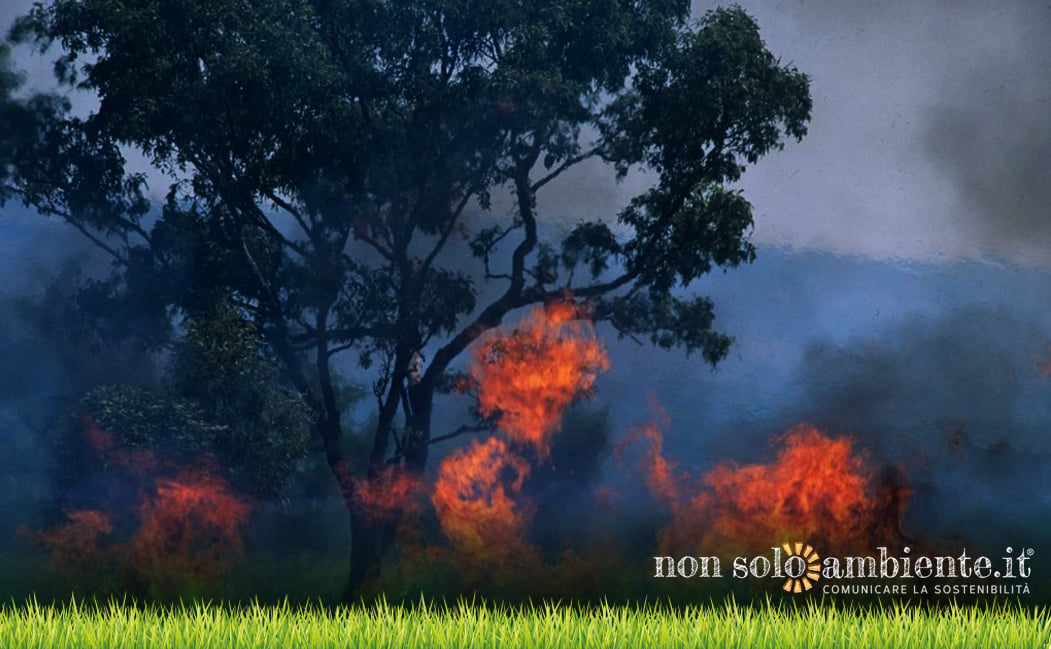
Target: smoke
988,131
42,263
960,400
565,488
44,370
937,373
921,379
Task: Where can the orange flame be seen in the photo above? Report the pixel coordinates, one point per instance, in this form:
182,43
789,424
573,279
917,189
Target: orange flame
182,531
389,494
189,528
79,539
476,499
527,377
104,450
530,375
659,472
817,489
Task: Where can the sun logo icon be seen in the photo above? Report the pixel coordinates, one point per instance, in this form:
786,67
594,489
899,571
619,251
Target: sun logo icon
803,567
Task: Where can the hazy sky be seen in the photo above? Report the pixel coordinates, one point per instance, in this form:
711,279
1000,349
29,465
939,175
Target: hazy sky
930,136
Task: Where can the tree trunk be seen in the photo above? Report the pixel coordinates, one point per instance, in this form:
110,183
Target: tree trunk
421,400
331,432
367,546
371,538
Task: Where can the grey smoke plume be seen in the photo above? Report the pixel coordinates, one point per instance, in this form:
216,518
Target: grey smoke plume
990,133
960,402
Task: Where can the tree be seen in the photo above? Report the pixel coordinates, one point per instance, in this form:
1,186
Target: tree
326,158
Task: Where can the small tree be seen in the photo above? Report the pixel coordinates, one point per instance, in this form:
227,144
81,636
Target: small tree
223,368
141,476
325,156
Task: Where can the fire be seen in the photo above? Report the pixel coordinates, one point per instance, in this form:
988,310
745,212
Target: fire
389,494
528,377
104,451
178,529
79,539
188,529
817,489
477,501
659,472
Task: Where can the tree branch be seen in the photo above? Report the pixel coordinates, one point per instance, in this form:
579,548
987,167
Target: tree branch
388,410
463,429
340,348
447,231
375,245
102,245
513,297
291,209
569,162
594,289
324,354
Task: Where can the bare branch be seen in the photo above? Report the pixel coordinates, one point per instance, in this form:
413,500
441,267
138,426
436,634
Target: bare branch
593,290
264,286
102,245
569,162
341,348
447,231
291,209
375,245
462,430
218,172
492,244
515,295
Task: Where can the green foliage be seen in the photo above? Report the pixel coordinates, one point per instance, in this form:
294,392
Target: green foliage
224,369
139,418
325,162
224,402
590,243
669,321
322,153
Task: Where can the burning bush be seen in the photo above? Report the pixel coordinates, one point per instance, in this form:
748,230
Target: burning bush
143,523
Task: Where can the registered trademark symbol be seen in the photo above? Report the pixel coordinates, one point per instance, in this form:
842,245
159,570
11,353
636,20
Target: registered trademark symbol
1029,552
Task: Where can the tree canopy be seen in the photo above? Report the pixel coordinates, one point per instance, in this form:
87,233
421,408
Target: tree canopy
329,161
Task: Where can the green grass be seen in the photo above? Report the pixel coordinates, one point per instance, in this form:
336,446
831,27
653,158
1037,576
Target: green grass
202,626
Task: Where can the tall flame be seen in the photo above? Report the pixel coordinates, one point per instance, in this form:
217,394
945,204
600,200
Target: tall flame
80,540
187,530
530,375
391,493
527,378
